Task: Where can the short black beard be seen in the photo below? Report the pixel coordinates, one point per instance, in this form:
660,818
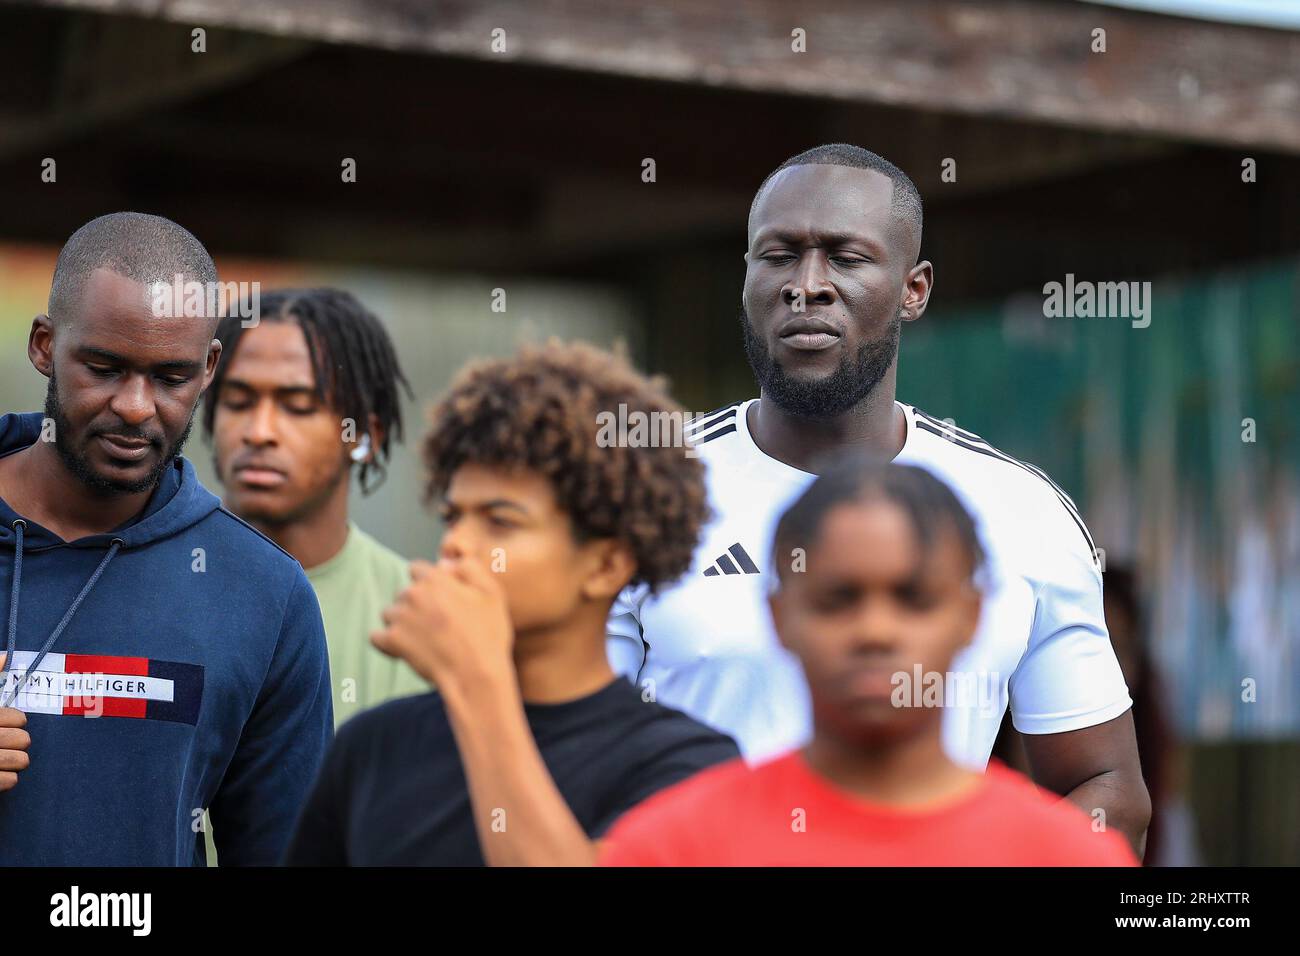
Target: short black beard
828,397
77,463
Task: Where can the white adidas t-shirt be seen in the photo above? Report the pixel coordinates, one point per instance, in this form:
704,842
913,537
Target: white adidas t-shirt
706,644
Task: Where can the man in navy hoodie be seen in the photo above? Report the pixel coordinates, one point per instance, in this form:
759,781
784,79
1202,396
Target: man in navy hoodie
169,658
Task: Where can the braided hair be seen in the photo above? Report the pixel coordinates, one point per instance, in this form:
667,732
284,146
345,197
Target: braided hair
854,476
353,360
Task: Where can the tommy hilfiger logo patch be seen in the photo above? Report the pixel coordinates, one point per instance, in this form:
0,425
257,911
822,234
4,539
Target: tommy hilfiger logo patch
96,685
724,565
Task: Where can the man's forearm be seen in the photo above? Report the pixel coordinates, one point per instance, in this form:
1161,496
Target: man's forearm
1096,768
519,813
1125,803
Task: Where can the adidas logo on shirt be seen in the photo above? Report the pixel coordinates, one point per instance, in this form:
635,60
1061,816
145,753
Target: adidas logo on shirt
727,566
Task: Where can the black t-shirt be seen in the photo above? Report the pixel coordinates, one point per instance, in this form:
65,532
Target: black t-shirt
392,791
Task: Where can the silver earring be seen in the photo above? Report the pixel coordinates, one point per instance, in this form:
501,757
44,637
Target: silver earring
362,451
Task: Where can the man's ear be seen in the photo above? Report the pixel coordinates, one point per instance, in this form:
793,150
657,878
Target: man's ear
916,294
613,567
40,345
214,356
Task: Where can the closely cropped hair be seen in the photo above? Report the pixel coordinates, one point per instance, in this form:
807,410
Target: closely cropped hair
139,246
906,198
538,411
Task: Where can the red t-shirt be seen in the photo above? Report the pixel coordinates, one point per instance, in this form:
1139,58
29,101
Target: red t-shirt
783,814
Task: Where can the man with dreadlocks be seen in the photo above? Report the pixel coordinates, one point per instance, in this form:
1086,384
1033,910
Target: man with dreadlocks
301,399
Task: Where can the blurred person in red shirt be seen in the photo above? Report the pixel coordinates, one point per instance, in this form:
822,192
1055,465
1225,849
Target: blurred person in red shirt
877,567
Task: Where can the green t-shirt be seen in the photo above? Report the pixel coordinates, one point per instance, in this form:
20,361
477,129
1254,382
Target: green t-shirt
353,588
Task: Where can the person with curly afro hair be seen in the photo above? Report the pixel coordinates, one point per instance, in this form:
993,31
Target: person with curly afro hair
530,747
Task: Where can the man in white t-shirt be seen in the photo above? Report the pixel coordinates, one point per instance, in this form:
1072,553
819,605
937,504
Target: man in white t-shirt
832,273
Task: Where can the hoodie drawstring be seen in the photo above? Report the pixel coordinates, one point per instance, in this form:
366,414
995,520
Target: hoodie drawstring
11,643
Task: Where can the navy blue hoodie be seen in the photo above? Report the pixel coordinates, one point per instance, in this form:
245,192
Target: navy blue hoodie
191,676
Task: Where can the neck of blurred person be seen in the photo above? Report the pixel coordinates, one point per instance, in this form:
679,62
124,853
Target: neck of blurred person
316,534
908,767
564,661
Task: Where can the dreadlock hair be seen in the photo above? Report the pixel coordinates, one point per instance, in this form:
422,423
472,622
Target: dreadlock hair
540,411
855,476
353,360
